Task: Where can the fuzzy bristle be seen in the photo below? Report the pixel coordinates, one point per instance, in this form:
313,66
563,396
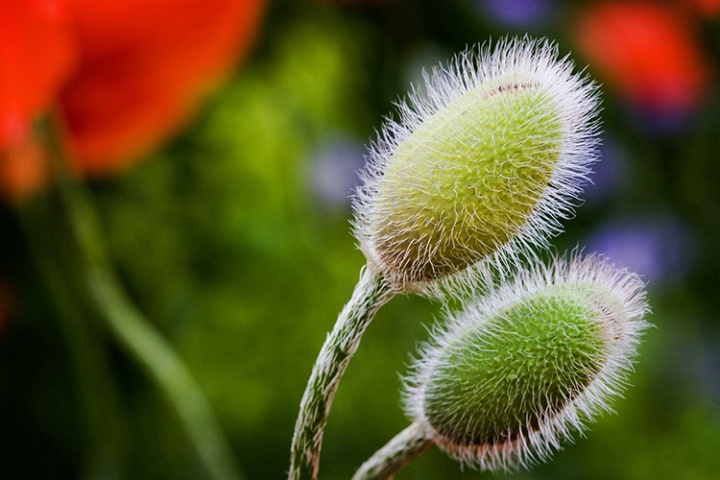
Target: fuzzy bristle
515,373
486,161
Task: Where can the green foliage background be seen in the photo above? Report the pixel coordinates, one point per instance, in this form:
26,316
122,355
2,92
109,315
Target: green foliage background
225,242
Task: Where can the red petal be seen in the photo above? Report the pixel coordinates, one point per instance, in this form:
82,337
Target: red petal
36,54
23,170
143,67
646,51
709,8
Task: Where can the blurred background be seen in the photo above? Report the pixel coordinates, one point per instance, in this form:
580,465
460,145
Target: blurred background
225,210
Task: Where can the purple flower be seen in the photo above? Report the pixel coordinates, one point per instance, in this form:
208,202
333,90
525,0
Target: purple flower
657,246
517,13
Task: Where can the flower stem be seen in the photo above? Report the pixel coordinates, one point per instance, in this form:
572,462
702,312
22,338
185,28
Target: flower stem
129,327
371,292
169,372
97,391
395,455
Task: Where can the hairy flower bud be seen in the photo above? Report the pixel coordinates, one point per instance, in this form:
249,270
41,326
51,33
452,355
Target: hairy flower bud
513,375
485,160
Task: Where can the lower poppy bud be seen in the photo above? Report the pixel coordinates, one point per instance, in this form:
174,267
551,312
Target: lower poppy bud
514,375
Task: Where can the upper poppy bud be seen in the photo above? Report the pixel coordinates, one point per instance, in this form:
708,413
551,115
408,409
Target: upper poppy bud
485,158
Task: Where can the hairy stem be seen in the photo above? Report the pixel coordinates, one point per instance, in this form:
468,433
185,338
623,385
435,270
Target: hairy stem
395,455
131,330
370,294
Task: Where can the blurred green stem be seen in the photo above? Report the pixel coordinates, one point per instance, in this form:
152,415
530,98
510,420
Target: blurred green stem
128,326
370,294
97,390
395,455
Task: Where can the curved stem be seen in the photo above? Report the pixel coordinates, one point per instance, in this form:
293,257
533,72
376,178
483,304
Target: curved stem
370,294
167,369
395,455
130,328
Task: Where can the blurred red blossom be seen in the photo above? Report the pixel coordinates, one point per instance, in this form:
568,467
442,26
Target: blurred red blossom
709,8
37,54
648,51
123,75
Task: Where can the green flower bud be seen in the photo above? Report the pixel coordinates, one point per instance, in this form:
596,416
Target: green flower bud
487,160
512,376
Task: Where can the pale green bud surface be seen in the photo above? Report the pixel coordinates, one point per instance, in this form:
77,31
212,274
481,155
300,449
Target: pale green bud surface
473,173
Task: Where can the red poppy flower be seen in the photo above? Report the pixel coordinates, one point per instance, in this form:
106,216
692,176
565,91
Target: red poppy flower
124,74
37,54
647,51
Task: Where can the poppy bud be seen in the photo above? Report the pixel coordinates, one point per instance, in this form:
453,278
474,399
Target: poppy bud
514,374
485,160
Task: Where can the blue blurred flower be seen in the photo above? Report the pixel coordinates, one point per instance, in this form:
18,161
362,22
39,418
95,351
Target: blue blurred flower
334,170
520,14
610,174
657,246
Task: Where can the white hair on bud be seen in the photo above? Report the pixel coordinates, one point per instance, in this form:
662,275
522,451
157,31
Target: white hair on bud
620,300
520,62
